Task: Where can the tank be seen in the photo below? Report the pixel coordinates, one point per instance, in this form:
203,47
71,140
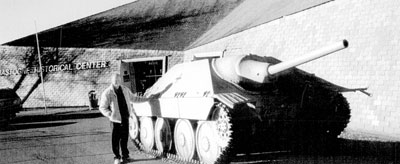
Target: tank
216,110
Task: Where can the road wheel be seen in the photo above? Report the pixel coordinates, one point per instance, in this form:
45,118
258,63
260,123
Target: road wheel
147,133
163,135
207,146
133,127
184,139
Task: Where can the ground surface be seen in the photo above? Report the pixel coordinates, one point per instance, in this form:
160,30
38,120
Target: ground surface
83,137
69,137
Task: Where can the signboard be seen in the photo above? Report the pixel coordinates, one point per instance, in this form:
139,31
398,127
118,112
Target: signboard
56,68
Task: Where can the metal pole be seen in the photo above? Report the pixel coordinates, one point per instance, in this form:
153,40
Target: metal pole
41,70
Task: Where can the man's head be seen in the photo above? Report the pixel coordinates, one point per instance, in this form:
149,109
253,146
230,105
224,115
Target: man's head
116,80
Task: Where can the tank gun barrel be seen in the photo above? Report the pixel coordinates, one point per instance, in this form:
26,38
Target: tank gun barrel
260,72
273,69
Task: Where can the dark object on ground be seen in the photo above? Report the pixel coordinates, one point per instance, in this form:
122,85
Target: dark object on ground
93,101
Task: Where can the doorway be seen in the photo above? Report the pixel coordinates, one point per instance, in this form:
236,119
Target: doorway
141,74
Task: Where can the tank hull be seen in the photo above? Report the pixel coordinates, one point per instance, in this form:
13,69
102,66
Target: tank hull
294,109
214,110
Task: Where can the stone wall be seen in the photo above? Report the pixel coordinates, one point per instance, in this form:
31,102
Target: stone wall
372,59
68,87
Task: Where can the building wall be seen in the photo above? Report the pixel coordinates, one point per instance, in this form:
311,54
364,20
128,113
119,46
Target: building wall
70,88
372,59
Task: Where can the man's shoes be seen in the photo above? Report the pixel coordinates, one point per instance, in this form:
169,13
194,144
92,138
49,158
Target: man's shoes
126,160
117,161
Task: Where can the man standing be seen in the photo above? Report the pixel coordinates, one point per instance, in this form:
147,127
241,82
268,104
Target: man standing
114,104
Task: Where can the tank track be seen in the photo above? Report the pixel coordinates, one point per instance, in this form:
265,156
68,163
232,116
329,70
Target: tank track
224,131
165,157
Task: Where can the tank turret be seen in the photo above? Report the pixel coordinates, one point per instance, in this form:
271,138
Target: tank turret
211,110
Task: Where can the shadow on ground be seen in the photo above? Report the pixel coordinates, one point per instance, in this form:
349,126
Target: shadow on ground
386,151
56,117
142,160
21,126
343,151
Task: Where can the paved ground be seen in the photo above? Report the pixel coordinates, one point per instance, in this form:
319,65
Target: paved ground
60,136
77,135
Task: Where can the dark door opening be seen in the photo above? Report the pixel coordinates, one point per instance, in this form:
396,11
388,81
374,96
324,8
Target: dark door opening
146,74
141,75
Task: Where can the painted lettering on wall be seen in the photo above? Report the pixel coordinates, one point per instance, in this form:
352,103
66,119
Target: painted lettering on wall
56,68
